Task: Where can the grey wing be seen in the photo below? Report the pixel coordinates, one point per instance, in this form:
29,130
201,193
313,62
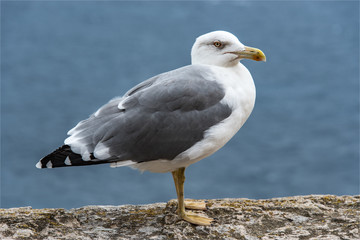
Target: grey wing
158,119
82,139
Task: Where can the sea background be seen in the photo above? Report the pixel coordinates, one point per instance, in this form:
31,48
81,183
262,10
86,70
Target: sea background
61,60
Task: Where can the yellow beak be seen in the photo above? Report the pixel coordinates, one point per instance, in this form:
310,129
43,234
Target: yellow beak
252,53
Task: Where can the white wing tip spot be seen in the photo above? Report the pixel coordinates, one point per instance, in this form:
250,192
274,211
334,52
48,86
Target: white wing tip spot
38,165
67,161
49,164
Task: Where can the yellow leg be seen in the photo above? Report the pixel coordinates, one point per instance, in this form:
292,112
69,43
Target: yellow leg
179,179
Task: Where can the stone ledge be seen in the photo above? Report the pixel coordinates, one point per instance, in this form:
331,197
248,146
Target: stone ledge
300,217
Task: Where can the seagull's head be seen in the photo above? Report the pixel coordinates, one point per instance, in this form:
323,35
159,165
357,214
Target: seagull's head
223,49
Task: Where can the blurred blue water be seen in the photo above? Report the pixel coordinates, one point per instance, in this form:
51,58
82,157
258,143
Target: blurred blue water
63,60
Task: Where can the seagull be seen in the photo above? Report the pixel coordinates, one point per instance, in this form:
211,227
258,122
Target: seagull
171,120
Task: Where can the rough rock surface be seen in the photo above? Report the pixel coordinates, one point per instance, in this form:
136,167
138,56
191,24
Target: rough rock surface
300,217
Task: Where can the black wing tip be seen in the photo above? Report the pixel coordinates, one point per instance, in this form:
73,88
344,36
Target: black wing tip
65,157
58,158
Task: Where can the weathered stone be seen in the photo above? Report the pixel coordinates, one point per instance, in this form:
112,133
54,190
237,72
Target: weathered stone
302,217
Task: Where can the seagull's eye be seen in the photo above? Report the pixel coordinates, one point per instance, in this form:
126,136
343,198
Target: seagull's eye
218,44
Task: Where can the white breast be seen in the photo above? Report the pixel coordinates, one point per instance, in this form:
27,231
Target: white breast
240,96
